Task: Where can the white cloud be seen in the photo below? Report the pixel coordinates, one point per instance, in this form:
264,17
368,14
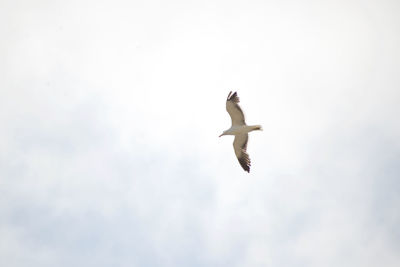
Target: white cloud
110,114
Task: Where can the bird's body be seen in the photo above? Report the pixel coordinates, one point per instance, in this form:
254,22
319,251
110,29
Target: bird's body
239,129
242,129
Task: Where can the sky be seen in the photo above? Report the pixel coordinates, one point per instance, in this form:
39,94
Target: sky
110,113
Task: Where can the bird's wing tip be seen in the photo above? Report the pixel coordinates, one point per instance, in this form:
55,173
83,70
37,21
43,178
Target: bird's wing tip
229,95
233,97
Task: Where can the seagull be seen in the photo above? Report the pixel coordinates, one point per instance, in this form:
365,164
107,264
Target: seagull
240,130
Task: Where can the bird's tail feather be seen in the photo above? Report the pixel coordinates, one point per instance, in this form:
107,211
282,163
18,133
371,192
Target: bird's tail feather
256,127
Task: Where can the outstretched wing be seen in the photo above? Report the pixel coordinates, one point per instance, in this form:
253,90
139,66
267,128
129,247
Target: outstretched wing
240,146
234,110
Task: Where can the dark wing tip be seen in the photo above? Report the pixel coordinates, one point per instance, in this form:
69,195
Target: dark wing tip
227,99
233,97
244,161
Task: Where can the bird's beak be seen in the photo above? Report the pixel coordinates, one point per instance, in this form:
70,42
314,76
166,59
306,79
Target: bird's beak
220,135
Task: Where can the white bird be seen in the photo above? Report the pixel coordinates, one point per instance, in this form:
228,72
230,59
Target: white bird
239,129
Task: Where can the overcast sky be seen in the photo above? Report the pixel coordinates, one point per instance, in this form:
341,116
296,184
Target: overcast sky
110,113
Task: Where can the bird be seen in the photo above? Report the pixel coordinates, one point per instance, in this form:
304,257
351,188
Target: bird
240,130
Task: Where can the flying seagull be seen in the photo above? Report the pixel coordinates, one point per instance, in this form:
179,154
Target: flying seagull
239,129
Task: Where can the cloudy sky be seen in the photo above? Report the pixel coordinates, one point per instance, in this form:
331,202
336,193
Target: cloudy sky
110,113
